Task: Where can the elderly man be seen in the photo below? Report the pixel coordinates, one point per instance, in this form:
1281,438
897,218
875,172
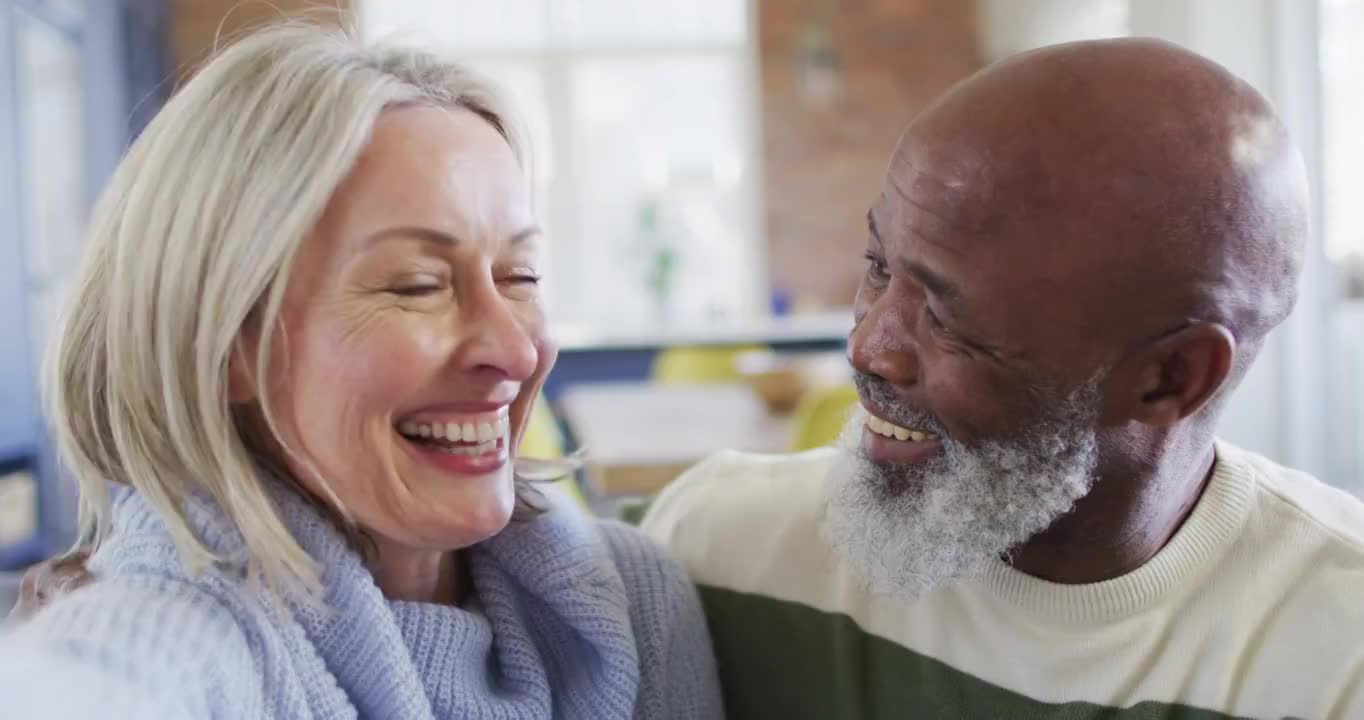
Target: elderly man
1075,258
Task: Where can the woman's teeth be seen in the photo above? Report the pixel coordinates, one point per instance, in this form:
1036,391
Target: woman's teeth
471,450
895,432
453,432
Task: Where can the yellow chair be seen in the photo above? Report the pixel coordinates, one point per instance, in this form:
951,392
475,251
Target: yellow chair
702,364
820,416
543,440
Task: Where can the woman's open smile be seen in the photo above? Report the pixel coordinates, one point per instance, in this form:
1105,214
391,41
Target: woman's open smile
460,443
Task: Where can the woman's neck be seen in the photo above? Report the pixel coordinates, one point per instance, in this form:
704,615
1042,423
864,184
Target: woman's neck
416,575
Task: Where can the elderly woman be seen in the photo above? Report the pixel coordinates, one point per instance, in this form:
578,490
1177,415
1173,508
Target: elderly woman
307,334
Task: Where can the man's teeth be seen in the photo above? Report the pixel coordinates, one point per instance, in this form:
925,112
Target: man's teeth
468,432
891,430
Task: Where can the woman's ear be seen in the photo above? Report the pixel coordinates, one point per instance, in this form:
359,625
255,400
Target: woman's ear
1173,377
241,377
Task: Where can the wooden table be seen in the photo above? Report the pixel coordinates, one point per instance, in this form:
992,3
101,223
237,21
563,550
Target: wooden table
640,436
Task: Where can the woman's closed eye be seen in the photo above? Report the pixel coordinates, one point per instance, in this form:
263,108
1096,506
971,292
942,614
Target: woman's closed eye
524,279
418,286
520,276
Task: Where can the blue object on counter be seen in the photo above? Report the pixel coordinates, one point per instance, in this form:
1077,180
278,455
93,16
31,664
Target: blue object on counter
781,303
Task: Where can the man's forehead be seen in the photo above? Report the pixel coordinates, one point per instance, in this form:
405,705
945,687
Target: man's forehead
981,206
922,226
931,226
938,187
932,161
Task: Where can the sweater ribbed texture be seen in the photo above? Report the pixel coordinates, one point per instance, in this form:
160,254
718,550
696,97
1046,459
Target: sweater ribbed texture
1251,610
571,618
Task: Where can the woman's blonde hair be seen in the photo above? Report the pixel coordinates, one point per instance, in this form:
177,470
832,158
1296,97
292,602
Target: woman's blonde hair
193,241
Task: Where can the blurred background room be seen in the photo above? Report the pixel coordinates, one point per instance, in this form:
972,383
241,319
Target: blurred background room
703,170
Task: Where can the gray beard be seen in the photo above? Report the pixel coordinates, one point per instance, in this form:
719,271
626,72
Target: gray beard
907,529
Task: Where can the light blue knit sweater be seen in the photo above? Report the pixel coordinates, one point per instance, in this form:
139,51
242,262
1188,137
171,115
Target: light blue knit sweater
573,618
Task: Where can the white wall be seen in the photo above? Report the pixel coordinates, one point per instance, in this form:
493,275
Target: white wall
1007,27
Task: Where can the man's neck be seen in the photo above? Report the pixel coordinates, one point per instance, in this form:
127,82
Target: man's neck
1134,510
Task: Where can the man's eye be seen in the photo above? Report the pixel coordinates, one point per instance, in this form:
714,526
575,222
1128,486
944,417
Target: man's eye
876,268
524,279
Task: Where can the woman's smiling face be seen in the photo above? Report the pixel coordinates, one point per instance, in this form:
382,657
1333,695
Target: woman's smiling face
413,334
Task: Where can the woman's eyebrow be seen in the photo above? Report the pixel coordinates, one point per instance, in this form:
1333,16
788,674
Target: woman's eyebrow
444,238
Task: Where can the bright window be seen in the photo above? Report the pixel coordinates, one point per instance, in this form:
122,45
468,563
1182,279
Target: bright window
1342,59
1342,66
642,122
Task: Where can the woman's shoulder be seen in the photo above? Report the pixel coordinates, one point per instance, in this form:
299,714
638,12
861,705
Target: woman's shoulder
144,621
152,605
140,559
677,663
634,551
651,576
139,591
147,629
567,538
141,644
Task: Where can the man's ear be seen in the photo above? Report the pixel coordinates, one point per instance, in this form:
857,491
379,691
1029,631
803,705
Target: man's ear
1173,377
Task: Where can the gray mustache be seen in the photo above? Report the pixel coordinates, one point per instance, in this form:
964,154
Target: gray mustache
880,393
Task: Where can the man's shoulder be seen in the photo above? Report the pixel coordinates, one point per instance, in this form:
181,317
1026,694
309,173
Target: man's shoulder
1299,562
731,491
1294,502
737,518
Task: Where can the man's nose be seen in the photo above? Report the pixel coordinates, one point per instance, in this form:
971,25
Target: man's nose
881,344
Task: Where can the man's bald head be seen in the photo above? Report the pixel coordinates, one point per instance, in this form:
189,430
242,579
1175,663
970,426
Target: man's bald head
1077,251
1122,187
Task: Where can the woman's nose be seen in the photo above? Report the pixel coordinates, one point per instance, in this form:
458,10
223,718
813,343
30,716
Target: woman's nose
496,338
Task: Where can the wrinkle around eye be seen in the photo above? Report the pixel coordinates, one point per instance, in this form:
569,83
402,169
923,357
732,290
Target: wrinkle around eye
951,340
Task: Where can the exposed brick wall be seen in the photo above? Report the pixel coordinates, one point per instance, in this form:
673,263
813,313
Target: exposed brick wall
197,24
825,161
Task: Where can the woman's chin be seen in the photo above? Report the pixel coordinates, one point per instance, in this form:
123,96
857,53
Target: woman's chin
475,525
440,512
471,519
